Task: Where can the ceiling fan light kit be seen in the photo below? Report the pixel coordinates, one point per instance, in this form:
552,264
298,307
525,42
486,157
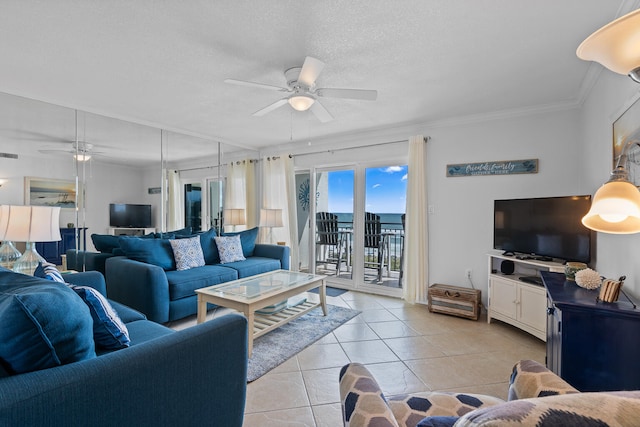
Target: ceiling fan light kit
301,85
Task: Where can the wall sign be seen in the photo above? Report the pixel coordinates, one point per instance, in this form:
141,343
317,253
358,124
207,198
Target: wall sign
503,167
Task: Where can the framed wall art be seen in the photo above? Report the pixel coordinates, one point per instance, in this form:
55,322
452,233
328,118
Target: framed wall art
50,192
626,130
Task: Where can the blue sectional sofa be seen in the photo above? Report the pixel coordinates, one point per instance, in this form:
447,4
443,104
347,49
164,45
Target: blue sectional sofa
164,378
146,278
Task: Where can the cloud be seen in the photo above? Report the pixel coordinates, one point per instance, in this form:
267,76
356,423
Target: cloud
393,169
376,185
404,177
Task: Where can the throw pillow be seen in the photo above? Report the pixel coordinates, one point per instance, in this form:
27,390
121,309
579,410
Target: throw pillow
109,331
187,253
230,249
151,251
248,239
49,324
105,242
47,270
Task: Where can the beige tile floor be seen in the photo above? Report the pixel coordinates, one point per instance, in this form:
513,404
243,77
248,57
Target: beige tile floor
408,349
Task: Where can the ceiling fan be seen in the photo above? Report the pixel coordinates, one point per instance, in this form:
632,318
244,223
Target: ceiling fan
302,93
82,151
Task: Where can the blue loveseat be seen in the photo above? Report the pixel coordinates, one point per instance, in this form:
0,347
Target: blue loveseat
146,278
192,377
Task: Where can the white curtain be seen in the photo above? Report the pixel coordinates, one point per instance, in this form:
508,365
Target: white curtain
416,251
175,208
278,192
235,194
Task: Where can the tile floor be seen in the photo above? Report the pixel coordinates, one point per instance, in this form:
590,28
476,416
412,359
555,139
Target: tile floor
408,349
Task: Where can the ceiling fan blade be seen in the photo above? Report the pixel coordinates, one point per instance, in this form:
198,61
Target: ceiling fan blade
364,94
254,84
321,113
310,71
270,108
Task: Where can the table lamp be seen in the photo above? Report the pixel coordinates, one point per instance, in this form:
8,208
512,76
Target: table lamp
234,217
29,224
271,218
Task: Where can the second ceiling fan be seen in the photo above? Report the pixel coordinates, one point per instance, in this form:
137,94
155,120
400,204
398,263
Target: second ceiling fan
302,91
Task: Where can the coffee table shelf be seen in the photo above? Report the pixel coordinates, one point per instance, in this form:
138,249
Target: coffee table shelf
263,323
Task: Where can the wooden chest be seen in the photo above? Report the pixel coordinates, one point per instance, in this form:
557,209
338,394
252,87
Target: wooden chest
454,300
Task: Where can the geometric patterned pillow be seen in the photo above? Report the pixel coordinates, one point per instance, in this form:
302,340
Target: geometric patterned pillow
187,252
109,331
230,249
46,270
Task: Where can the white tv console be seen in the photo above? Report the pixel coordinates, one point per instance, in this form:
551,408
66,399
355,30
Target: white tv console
129,231
523,305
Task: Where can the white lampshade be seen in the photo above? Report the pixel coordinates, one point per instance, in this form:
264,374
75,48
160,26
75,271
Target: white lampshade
301,102
615,209
271,218
234,217
616,46
30,223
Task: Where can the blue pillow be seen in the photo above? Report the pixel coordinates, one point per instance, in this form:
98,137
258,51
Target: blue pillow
247,239
187,231
49,324
109,331
151,251
105,242
209,248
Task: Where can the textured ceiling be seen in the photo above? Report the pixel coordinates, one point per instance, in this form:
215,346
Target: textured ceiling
163,63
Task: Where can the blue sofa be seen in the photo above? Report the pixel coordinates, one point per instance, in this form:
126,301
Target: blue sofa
146,278
165,378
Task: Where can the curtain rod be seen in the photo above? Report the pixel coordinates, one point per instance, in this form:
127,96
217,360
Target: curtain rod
223,164
426,138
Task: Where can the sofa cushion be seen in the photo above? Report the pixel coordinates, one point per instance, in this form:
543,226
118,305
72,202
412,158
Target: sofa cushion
126,313
50,325
145,330
184,283
151,251
254,265
187,253
230,249
108,330
105,242
247,239
209,248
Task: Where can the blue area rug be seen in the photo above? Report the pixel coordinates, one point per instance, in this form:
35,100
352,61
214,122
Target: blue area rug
281,344
331,292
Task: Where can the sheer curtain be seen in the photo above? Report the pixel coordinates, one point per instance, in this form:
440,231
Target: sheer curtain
417,233
175,209
279,192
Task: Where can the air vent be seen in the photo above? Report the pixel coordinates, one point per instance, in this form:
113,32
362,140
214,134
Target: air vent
9,155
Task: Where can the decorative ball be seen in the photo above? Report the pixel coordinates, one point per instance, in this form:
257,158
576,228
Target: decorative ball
588,279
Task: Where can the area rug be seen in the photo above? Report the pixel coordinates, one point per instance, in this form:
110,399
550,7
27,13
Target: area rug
281,344
331,292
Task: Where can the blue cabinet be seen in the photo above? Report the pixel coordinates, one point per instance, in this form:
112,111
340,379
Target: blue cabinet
52,251
593,345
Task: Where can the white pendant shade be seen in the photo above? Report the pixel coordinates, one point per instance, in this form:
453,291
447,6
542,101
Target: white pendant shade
615,209
616,45
301,102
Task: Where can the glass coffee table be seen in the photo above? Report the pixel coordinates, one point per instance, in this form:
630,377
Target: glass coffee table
257,292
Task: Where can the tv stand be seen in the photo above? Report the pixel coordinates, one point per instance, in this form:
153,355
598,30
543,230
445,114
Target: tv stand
130,231
519,299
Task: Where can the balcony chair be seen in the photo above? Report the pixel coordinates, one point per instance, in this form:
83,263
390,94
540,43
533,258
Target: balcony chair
329,241
374,242
404,231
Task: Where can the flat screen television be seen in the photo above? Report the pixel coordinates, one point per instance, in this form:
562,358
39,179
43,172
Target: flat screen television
545,227
128,215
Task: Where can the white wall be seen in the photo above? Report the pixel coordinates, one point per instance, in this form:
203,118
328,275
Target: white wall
105,183
617,254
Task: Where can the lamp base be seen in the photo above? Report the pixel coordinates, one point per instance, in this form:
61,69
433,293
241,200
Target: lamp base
29,260
8,254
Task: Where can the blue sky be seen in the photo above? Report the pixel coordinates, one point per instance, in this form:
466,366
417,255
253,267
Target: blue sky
386,190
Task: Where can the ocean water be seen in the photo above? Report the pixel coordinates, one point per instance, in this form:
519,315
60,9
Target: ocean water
388,221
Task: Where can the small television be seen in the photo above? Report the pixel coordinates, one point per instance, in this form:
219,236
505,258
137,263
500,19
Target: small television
128,215
545,227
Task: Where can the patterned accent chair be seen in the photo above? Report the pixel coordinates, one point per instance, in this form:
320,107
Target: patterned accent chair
537,397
